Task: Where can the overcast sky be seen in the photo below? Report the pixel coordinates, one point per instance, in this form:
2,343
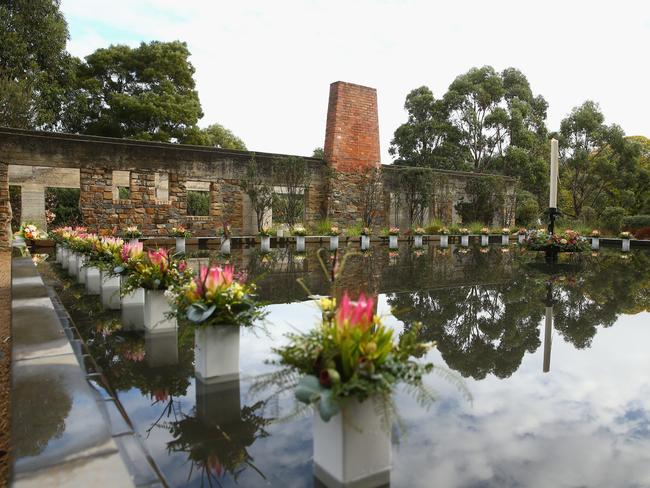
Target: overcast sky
263,68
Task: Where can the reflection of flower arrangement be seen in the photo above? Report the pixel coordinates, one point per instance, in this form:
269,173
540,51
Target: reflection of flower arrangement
180,231
462,250
351,354
568,241
463,231
131,232
299,230
419,231
443,231
485,231
505,250
215,296
365,231
334,231
299,257
156,271
625,235
29,231
505,231
266,232
595,233
485,250
419,253
393,231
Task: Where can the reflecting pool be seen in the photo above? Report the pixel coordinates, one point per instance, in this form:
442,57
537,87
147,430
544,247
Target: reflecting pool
541,376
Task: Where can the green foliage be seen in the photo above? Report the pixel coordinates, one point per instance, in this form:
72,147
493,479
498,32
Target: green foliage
16,206
416,187
258,190
64,204
612,218
482,201
292,175
633,222
318,153
434,226
322,227
198,202
123,192
527,211
214,135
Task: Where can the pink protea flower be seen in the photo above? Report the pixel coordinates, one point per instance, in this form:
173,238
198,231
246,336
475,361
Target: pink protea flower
355,314
159,258
210,280
130,251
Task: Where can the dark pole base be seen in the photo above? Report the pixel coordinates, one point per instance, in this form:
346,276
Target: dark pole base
551,256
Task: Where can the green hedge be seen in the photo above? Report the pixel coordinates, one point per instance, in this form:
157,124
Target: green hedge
633,222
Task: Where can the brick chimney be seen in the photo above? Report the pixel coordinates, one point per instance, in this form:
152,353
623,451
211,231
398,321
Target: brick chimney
352,133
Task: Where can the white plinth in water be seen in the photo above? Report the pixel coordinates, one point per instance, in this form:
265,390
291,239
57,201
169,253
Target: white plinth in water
464,241
133,310
161,348
417,241
505,239
485,240
156,312
225,245
625,243
93,280
65,257
334,243
134,241
110,291
72,264
365,243
353,448
520,238
300,243
58,253
392,242
180,244
595,243
444,241
265,243
216,352
81,269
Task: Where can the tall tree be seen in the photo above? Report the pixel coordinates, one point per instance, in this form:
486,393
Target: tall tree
35,69
146,93
215,135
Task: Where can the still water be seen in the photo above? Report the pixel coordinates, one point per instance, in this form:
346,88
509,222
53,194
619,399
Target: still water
542,378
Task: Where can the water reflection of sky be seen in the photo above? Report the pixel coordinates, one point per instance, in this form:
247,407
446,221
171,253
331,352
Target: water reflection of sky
585,423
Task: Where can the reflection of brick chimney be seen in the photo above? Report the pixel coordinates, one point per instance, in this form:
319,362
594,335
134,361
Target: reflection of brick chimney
352,134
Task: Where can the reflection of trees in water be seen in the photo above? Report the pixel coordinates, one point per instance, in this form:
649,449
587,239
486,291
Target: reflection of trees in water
46,420
219,448
487,328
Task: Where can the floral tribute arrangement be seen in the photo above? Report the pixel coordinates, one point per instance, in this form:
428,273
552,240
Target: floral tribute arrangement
105,252
131,232
463,231
30,232
266,231
216,296
180,231
365,231
419,231
351,354
595,233
128,256
505,231
393,231
444,231
299,230
625,235
485,231
567,241
522,231
334,231
156,270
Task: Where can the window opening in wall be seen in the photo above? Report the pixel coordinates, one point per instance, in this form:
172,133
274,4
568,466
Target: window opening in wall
121,185
162,187
62,206
198,202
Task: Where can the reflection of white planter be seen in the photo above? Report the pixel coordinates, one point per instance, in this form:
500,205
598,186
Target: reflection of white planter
133,310
156,311
225,245
595,243
485,240
58,253
520,238
81,270
626,245
444,241
161,348
110,291
334,243
65,256
72,264
464,241
300,243
93,281
180,244
417,241
505,240
392,242
134,241
365,243
353,448
216,352
265,243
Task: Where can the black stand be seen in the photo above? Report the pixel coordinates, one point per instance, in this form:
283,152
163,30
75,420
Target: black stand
551,255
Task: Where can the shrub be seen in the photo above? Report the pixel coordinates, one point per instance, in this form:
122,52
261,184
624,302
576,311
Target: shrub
64,205
589,216
612,218
527,210
638,224
322,227
198,203
434,226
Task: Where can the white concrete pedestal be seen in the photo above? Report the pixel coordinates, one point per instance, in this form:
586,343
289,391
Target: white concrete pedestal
216,352
625,245
417,241
520,238
59,250
300,243
93,281
72,264
65,258
334,243
464,241
353,448
81,269
392,242
110,291
133,310
225,245
485,240
595,243
505,239
180,244
156,312
265,243
444,241
365,243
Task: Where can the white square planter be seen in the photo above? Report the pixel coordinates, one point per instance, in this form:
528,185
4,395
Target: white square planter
265,243
464,241
505,240
365,243
81,269
225,245
625,243
156,311
133,310
520,238
65,257
134,241
353,448
417,241
72,264
161,348
444,241
392,242
110,291
595,243
180,244
300,243
93,281
485,240
58,253
216,352
334,243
